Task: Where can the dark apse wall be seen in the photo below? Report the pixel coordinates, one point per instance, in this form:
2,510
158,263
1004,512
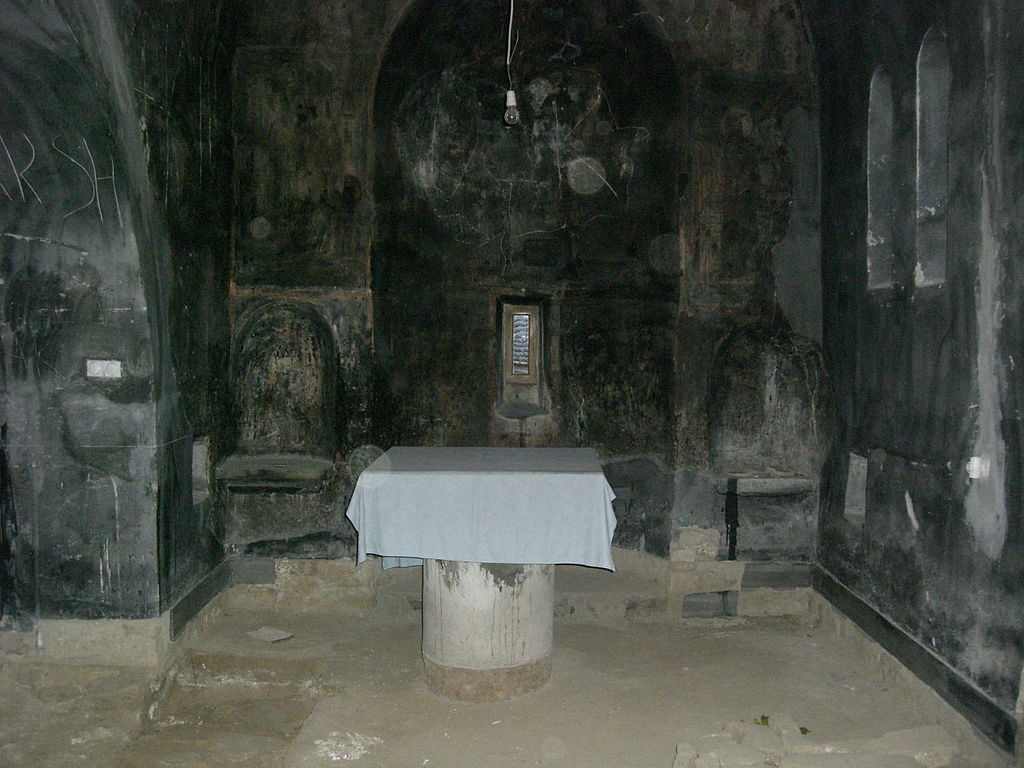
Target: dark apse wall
921,509
570,208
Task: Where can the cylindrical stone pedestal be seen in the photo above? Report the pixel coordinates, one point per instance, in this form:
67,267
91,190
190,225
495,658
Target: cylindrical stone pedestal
487,628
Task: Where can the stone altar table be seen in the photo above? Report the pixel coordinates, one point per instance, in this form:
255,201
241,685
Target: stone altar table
488,524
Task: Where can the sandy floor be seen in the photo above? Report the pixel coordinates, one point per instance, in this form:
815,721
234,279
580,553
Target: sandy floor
350,691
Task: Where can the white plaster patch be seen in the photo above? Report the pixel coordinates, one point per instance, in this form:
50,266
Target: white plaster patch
587,176
260,227
979,467
855,508
103,369
425,173
345,746
919,276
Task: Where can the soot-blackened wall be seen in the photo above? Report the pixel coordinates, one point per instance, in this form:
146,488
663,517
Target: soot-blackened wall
179,57
643,205
98,514
927,371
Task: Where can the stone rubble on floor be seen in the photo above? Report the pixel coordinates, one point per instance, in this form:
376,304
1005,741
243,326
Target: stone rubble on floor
777,740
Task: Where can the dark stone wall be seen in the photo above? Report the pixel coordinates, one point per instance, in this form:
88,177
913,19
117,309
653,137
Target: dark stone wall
302,220
83,451
98,516
926,375
749,265
659,193
179,55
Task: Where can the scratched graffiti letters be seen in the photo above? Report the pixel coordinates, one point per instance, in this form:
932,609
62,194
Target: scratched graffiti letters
19,173
94,179
74,157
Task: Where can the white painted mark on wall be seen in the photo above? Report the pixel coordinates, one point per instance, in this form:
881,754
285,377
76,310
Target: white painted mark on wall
979,467
105,581
910,512
855,508
94,179
46,240
19,173
985,503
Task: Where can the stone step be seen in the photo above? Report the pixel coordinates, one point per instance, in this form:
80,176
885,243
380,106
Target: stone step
205,669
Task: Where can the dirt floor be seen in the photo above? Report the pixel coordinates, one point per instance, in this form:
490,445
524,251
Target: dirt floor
349,690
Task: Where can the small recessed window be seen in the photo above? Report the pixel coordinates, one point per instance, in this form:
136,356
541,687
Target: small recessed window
521,344
521,341
933,85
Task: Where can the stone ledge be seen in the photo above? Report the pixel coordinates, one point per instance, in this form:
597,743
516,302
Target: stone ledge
767,485
766,601
707,576
695,544
274,472
301,585
710,605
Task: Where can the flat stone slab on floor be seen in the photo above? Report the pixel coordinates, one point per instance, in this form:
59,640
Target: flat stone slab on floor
859,760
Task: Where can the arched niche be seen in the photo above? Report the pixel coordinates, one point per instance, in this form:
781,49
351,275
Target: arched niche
579,197
770,419
284,382
770,406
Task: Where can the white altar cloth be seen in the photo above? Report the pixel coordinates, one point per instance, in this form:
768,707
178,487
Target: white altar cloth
485,505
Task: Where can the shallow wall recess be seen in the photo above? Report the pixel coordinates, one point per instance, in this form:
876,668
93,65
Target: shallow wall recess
285,379
770,415
523,376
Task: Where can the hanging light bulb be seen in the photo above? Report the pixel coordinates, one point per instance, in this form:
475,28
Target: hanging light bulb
511,116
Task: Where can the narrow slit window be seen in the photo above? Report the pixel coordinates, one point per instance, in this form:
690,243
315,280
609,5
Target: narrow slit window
933,84
881,191
521,343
